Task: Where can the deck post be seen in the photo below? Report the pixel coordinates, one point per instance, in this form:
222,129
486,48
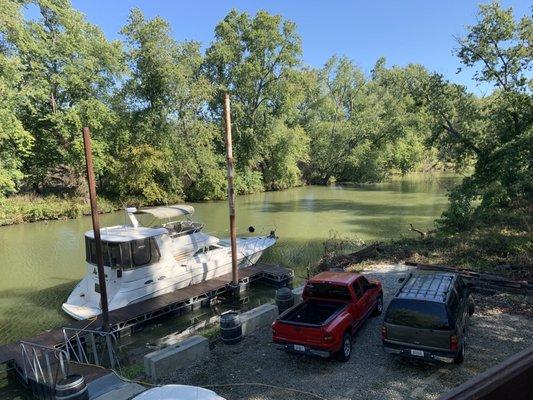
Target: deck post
96,227
231,194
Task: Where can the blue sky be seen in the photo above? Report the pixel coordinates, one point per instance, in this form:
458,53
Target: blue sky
419,31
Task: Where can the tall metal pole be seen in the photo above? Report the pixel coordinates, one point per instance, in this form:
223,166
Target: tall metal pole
231,192
96,227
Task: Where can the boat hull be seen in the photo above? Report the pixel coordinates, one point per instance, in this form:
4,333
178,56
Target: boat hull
169,275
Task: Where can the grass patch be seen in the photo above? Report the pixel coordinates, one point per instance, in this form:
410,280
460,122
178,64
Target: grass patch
132,371
211,332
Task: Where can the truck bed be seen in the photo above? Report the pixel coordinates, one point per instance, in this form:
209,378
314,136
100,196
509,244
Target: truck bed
312,312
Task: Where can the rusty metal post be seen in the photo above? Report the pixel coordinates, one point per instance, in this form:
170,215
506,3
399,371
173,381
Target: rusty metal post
231,192
96,227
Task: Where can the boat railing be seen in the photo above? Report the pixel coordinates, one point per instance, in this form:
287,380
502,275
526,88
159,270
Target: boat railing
88,346
43,364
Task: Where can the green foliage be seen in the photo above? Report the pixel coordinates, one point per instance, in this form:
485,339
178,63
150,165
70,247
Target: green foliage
171,148
363,129
15,141
18,209
495,132
255,60
67,69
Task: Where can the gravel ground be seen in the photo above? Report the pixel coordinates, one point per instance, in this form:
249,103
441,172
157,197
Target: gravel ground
371,373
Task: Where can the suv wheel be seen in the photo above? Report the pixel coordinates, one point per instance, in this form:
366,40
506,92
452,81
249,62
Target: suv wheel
346,348
471,306
378,308
460,357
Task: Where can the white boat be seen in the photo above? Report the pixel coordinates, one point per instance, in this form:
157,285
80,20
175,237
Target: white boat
178,392
144,262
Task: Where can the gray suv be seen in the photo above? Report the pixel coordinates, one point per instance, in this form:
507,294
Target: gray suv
427,318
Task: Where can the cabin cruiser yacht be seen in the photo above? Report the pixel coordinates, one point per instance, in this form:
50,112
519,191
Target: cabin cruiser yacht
141,262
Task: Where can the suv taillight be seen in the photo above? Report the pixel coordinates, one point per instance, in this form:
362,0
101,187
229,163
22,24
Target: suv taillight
454,343
328,337
383,332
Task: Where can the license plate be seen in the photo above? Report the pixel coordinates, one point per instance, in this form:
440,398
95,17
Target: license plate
418,353
297,347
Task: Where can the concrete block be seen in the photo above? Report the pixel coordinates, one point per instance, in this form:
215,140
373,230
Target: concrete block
297,293
161,363
257,318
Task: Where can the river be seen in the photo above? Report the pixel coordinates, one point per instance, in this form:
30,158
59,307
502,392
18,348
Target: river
41,262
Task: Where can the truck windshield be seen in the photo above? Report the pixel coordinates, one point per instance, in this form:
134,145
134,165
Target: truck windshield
418,314
327,291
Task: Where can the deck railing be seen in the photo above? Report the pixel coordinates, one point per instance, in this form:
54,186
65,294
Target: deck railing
87,346
43,364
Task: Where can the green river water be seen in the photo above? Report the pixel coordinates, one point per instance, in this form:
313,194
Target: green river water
41,262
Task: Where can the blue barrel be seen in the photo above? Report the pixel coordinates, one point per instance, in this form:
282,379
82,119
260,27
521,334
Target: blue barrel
230,328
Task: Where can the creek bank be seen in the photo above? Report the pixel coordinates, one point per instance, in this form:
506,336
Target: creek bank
21,209
503,247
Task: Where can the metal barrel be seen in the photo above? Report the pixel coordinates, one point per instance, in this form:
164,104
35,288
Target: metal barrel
72,388
284,299
230,328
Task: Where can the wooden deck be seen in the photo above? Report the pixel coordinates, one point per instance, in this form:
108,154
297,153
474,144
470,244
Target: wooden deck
133,314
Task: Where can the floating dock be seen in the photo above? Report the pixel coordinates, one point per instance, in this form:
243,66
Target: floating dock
33,359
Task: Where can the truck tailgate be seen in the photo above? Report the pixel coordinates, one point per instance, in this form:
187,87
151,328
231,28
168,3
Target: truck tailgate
299,334
306,322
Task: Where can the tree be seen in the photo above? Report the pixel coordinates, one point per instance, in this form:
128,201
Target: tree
68,69
255,60
15,142
163,103
362,129
496,132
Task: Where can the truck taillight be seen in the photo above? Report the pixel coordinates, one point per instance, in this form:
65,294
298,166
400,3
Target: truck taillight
383,332
454,343
328,337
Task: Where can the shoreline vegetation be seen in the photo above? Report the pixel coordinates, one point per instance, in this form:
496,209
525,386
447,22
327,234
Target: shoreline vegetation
32,208
503,247
28,208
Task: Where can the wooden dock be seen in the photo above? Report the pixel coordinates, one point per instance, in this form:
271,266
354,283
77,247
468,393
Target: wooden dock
131,315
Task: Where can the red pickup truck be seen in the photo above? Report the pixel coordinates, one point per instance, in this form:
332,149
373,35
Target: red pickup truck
334,306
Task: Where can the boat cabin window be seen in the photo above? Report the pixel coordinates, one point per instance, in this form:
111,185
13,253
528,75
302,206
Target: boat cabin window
124,255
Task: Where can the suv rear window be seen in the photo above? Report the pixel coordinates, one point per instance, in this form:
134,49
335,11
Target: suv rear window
418,314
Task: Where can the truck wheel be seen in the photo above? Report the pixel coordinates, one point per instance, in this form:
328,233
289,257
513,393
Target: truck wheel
378,308
346,348
460,357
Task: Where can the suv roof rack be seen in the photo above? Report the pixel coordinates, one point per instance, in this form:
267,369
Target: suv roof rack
433,287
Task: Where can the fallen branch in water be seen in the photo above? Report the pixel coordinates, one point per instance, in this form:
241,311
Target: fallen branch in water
342,261
422,234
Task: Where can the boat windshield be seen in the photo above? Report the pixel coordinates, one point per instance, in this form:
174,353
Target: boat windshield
180,228
131,254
